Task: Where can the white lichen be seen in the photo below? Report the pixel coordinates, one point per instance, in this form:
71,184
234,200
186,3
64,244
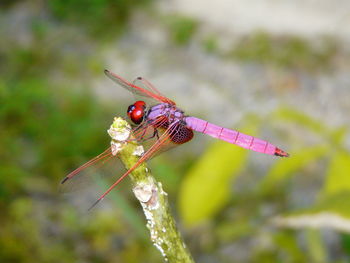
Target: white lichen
119,130
139,151
149,216
161,189
159,247
115,147
154,234
143,192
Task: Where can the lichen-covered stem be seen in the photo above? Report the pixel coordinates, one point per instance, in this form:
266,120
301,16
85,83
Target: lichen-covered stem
151,196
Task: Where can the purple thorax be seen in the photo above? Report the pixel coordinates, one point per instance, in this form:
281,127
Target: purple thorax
173,113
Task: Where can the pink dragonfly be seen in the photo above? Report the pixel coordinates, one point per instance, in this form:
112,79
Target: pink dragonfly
169,126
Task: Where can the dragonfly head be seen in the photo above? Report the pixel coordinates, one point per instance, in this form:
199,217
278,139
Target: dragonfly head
136,111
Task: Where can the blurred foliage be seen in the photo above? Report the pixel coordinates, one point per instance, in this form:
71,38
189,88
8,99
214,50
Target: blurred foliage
284,169
87,12
8,3
286,51
181,28
210,44
337,174
50,122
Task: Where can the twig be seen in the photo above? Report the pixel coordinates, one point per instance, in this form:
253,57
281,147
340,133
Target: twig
151,195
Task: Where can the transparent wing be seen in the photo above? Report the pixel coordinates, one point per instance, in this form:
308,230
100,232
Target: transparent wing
103,166
149,92
86,183
149,100
88,175
144,83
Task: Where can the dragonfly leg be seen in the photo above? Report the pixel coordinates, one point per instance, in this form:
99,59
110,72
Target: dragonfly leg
141,130
155,134
142,138
142,125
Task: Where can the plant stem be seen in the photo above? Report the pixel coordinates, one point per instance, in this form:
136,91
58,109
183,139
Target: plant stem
164,234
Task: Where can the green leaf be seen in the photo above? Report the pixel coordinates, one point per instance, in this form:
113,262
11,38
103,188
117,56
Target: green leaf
338,174
331,212
288,245
284,168
182,28
301,119
316,246
206,187
335,136
338,203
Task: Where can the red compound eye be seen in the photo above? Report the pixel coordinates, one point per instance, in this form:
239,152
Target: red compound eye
136,112
140,103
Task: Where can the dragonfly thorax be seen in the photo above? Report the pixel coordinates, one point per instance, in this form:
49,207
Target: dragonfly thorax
136,111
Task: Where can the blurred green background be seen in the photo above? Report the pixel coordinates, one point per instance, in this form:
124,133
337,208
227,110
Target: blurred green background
271,69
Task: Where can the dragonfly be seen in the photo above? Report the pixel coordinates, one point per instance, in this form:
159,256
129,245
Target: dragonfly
169,126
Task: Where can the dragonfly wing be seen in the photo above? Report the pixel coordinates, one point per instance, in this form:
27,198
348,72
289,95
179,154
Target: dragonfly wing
149,100
90,174
125,84
142,82
136,89
102,166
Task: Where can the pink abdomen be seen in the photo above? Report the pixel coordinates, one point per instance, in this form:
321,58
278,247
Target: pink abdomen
234,137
